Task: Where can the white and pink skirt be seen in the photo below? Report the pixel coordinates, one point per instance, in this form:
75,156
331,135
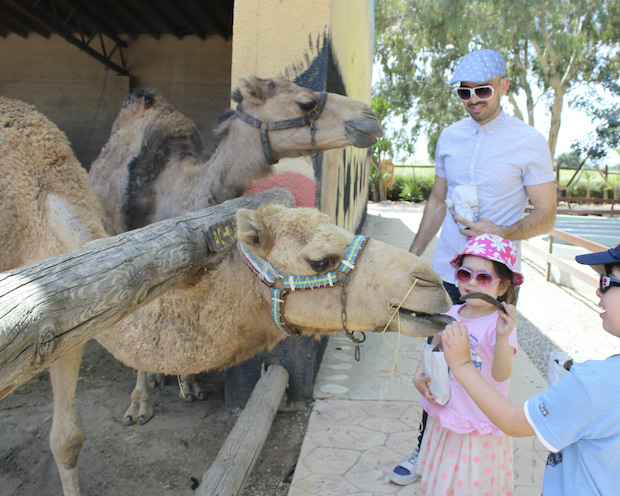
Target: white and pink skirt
453,464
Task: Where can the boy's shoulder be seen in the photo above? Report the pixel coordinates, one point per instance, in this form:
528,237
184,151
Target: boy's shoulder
598,374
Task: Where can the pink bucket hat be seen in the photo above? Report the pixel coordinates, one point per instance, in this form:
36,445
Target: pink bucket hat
491,247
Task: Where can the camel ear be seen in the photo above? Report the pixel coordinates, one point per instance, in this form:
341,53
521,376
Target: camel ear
252,88
253,232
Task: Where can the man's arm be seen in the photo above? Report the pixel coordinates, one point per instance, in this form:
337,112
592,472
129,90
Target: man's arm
434,214
544,200
509,417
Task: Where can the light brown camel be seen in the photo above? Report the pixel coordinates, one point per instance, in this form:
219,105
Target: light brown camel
48,207
153,166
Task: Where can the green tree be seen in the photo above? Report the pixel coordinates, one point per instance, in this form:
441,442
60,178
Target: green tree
604,110
550,47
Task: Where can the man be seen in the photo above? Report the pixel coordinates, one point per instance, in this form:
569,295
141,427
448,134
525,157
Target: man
503,161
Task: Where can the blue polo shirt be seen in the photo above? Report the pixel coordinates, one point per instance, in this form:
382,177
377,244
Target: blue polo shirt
578,419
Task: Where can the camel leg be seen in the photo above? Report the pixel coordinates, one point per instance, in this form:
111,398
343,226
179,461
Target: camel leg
140,410
66,439
154,379
191,389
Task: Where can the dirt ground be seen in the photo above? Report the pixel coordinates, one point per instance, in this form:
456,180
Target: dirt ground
165,456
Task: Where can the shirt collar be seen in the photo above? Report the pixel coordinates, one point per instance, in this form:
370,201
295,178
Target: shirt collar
489,127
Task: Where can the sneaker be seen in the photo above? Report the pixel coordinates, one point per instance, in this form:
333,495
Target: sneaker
404,473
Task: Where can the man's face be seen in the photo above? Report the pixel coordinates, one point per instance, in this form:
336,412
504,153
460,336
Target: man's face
483,111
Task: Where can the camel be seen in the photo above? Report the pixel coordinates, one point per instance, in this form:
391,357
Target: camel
48,207
153,166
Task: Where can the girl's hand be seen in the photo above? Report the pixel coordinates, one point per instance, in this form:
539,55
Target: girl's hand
507,320
456,346
420,382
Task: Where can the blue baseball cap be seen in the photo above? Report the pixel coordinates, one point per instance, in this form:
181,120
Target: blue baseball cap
599,259
479,67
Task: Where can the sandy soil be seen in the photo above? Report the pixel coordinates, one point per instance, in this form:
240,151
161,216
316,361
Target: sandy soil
166,456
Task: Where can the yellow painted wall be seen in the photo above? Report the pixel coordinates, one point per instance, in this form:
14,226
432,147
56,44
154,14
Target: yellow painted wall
284,38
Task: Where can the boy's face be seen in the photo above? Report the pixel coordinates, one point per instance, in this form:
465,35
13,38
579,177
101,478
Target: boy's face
610,303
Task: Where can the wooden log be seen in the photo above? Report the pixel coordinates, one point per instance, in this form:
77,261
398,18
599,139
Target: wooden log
51,307
229,472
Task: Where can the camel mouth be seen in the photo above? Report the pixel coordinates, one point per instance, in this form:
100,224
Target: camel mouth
363,132
435,320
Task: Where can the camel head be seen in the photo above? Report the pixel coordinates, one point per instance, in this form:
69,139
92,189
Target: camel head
328,119
388,288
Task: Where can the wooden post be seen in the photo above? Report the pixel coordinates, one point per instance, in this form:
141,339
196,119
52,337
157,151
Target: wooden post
229,472
50,307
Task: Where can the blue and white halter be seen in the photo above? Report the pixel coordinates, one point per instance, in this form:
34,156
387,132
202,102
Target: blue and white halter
269,276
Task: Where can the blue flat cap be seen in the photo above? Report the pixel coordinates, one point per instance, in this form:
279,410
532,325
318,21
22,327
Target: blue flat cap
479,67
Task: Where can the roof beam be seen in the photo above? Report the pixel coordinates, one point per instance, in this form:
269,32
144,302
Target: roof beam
129,10
214,12
57,26
20,24
196,28
97,17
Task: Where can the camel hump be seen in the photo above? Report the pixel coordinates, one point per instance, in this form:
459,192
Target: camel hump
140,94
169,137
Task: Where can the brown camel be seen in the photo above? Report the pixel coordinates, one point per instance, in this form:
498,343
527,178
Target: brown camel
153,166
48,207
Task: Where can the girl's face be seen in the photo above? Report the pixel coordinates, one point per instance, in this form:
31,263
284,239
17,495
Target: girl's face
610,303
495,289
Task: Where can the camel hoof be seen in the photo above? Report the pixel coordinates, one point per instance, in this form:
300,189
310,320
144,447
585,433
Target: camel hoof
128,420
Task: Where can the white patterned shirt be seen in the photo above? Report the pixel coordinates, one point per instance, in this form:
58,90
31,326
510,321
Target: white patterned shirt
500,158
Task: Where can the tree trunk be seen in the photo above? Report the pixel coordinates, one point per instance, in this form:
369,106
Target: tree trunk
556,120
50,307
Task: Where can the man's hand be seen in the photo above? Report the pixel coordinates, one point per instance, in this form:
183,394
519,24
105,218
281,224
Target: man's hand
483,226
456,347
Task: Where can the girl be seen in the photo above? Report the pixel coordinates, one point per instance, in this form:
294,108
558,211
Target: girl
462,451
577,417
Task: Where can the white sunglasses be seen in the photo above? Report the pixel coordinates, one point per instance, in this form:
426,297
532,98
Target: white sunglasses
482,92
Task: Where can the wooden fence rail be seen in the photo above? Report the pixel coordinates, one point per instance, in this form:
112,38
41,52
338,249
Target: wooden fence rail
550,259
53,306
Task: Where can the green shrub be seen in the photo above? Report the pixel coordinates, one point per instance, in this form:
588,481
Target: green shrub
580,190
408,189
393,193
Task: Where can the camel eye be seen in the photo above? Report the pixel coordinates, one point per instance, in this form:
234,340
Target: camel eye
307,106
322,265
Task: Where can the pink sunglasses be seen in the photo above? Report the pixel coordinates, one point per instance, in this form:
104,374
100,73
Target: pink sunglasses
483,278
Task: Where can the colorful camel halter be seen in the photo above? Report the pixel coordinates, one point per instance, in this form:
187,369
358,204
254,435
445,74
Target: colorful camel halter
265,126
269,276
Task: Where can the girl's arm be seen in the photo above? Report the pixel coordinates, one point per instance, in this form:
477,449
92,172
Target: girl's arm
502,356
509,417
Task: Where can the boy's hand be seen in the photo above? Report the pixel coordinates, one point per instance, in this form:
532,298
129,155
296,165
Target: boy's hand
507,320
420,382
456,345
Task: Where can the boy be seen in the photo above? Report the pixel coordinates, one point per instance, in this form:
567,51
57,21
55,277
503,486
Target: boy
578,417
